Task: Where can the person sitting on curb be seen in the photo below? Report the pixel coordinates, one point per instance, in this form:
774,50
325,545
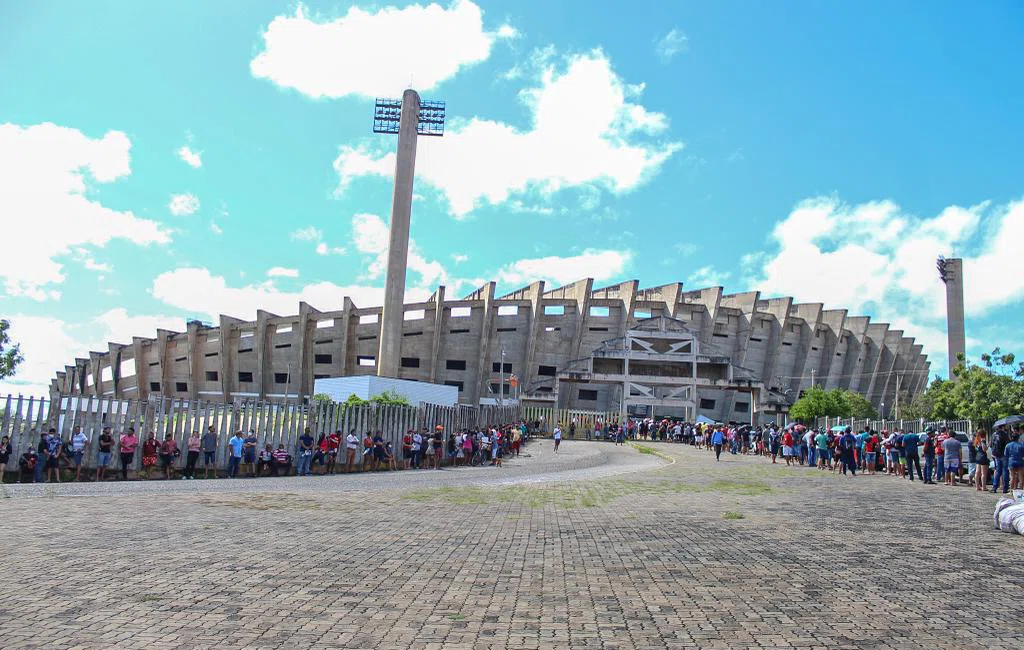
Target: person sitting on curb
282,462
27,466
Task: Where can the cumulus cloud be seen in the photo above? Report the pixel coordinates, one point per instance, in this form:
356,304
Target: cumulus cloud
344,56
875,258
671,44
183,204
584,131
44,171
178,289
309,233
601,265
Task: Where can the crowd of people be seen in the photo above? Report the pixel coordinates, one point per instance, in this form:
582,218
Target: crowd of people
987,461
246,456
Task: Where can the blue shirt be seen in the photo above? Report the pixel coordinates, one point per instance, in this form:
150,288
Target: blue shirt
910,442
717,437
1014,453
236,446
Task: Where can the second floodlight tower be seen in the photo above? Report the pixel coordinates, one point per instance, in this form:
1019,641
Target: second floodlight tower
408,118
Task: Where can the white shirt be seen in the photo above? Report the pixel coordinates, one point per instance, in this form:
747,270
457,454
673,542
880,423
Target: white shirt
351,441
78,441
558,433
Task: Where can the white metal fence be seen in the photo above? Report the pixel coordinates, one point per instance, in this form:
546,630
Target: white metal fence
913,426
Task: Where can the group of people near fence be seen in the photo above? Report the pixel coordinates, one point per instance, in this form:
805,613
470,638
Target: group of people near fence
330,453
941,455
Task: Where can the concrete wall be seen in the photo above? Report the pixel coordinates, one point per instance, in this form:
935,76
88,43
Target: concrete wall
459,341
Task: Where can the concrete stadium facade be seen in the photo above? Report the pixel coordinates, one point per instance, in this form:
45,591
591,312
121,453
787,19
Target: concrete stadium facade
744,357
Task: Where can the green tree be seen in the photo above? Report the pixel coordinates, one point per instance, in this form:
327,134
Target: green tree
981,392
855,405
10,355
322,398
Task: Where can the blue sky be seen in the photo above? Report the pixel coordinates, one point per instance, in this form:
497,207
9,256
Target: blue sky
164,161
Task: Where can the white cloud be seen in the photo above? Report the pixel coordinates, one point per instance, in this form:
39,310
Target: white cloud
371,237
374,53
601,265
583,132
282,272
190,157
459,258
707,276
874,258
183,204
671,44
178,289
215,229
44,173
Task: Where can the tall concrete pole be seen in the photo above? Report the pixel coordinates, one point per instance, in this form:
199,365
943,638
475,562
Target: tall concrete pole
390,352
956,337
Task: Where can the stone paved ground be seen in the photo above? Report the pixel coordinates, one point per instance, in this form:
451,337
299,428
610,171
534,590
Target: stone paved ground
691,554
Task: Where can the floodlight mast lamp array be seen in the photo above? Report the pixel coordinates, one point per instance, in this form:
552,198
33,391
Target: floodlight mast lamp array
408,118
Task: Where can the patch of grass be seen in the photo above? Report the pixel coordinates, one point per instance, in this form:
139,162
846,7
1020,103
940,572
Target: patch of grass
732,515
456,617
148,598
651,451
262,502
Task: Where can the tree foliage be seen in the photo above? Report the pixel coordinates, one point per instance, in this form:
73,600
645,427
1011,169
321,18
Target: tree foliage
322,398
387,398
981,392
10,355
817,402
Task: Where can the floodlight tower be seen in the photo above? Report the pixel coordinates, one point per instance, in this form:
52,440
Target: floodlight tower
407,117
951,272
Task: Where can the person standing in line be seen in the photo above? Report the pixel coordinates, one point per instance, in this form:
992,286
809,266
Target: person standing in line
870,451
940,452
168,452
54,449
79,443
417,448
929,457
1014,453
951,447
5,455
104,447
127,445
438,443
558,437
306,444
979,453
150,452
235,445
40,465
193,445
209,448
821,449
351,446
333,443
249,453
1000,438
910,444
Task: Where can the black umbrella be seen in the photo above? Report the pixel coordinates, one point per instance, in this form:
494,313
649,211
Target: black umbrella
1010,419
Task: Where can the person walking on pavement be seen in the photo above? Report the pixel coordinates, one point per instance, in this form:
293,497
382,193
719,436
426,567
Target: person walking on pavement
558,437
910,443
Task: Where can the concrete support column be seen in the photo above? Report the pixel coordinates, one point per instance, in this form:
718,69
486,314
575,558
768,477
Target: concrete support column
195,359
435,344
228,349
956,337
484,352
139,346
393,314
163,338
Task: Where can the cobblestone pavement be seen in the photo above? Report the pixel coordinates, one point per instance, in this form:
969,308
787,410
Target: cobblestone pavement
687,554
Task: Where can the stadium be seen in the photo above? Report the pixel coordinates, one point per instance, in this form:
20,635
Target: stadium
620,348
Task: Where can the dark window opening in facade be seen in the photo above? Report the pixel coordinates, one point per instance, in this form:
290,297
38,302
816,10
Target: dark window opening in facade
154,386
506,329
587,395
410,362
455,364
547,371
282,346
742,407
368,338
280,377
245,377
320,376
211,375
322,358
181,386
707,404
210,354
504,389
458,331
457,384
323,341
413,334
598,329
497,367
179,359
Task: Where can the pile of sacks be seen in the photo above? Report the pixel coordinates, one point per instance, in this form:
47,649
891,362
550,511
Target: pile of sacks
1009,516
